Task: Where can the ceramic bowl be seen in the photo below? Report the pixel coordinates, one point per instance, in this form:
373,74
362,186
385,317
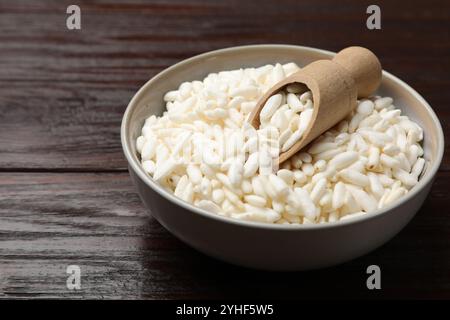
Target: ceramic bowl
270,246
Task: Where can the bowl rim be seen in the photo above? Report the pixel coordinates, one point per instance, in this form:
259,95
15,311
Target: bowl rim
137,168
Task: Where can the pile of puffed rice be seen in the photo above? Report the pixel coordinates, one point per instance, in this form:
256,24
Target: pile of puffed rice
203,151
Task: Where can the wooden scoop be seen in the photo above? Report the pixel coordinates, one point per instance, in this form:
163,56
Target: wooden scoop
354,72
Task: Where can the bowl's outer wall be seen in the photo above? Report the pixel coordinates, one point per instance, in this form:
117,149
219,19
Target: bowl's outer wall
264,248
277,249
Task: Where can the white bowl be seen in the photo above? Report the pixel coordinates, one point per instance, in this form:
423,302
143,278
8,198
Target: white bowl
270,246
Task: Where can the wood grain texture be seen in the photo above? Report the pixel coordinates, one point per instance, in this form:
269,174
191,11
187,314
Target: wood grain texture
51,220
65,195
63,93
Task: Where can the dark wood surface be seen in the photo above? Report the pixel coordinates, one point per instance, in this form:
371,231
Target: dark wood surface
65,194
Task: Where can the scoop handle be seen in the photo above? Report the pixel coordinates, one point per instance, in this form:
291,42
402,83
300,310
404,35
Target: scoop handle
363,66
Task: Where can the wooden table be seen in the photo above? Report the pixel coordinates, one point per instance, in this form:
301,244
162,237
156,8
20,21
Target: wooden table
65,194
